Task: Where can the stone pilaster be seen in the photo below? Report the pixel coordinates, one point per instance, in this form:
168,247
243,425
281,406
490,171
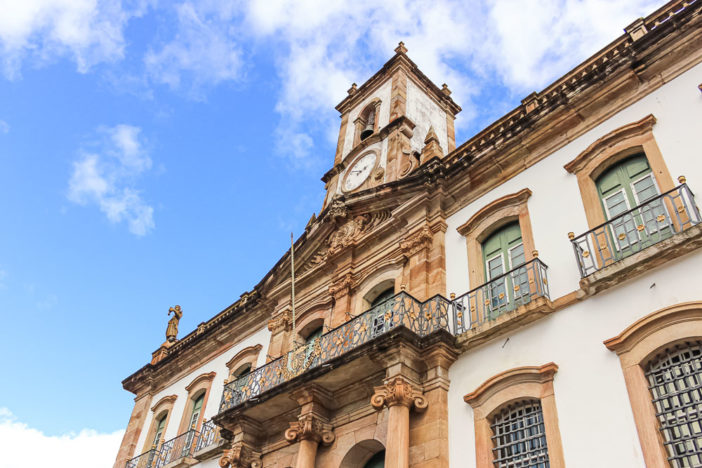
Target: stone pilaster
244,447
312,427
399,395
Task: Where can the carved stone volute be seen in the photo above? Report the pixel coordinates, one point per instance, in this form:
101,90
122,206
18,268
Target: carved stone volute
399,391
240,455
310,427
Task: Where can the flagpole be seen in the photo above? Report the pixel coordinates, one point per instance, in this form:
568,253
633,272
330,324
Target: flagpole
292,288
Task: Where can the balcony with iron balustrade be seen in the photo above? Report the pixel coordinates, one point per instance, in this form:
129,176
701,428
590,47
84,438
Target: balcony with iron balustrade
186,449
504,303
337,359
653,232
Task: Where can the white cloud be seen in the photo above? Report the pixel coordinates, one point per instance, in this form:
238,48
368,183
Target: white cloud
205,49
85,449
106,179
4,127
87,31
521,43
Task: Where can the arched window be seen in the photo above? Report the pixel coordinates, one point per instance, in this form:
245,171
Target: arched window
383,296
675,382
519,436
516,422
661,358
160,428
314,334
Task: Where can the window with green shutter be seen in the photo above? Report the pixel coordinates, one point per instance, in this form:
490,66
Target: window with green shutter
160,426
623,187
504,251
197,409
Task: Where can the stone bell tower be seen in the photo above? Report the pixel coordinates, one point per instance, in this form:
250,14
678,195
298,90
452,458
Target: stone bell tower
393,123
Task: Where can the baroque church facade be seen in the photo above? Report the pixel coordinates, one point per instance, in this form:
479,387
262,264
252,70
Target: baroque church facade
529,298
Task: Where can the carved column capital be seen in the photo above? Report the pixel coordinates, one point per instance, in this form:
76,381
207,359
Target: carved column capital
310,427
240,455
398,391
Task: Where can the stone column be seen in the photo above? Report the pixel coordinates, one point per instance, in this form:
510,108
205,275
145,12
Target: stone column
399,395
309,430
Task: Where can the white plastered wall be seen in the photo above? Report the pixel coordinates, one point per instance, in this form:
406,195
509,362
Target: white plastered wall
596,422
218,365
424,112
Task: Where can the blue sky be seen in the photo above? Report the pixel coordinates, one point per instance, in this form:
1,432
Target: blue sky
160,153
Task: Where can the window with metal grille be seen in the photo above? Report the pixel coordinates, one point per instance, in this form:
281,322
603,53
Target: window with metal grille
675,381
519,437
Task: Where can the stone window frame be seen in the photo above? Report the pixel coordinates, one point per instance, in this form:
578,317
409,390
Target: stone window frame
635,347
201,383
494,215
608,150
527,382
248,355
310,320
164,404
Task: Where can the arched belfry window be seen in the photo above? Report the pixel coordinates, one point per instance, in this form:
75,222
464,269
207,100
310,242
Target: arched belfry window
675,381
367,122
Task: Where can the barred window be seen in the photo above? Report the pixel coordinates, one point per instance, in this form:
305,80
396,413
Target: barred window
519,437
675,381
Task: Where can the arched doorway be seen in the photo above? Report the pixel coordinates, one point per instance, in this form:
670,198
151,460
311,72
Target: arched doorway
376,461
368,453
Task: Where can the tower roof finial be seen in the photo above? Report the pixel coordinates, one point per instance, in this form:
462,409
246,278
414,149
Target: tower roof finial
401,49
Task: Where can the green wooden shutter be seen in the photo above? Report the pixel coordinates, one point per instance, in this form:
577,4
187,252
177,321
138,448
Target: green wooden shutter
160,426
623,187
197,408
502,252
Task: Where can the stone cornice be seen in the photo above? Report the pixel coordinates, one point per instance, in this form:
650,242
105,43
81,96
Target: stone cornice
512,199
518,375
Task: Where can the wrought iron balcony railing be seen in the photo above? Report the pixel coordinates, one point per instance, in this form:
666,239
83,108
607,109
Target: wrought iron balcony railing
177,448
647,224
145,460
209,435
402,310
508,291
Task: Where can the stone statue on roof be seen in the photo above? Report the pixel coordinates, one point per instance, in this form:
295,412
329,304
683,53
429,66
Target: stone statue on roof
172,330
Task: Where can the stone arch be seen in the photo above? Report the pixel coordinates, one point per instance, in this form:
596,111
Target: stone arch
374,284
359,454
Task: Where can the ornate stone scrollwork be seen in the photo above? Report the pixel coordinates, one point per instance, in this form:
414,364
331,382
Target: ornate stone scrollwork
342,286
310,427
417,241
398,391
240,456
282,322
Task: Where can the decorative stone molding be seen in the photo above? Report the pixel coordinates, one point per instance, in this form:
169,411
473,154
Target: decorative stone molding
432,147
240,455
282,322
310,427
342,286
398,391
416,242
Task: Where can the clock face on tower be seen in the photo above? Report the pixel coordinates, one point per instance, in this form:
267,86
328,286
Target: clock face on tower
359,172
